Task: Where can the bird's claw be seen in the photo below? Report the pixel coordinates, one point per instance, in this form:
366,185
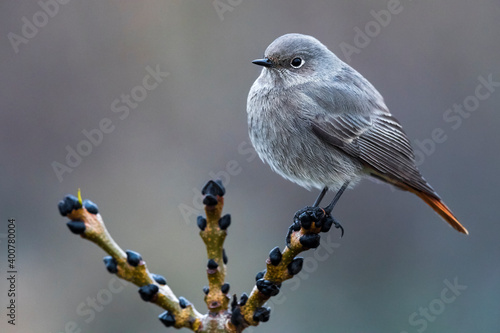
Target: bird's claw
305,217
338,226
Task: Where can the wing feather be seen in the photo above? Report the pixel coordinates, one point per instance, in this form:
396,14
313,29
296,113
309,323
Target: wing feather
378,141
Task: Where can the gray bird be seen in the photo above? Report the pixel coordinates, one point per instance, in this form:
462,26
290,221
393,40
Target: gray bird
319,123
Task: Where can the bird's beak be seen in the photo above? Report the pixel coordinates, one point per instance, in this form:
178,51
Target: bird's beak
263,62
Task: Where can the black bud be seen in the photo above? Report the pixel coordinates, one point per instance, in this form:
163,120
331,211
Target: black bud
260,275
76,227
68,204
296,226
243,299
221,187
133,258
148,291
212,264
167,318
206,290
183,303
275,256
202,223
63,209
225,222
224,256
225,288
262,314
234,302
210,200
267,287
309,215
295,266
214,188
90,207
111,264
305,220
159,279
236,317
310,241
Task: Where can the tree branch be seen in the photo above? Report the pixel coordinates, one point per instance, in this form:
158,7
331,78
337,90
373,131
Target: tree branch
213,232
128,265
303,234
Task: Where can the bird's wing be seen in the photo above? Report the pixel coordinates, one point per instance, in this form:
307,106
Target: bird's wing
382,146
378,141
349,114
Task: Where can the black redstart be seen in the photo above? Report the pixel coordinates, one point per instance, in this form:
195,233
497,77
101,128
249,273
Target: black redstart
319,123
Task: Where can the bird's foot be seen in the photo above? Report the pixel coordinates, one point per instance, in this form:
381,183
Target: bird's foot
309,215
314,219
334,222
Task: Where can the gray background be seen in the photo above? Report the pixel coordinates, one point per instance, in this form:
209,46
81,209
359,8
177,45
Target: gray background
396,254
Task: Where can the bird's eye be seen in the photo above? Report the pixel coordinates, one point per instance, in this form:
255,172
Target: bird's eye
297,62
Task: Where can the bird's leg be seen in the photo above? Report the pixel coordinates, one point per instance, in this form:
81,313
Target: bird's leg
329,219
322,218
320,196
329,208
307,215
312,211
305,218
313,208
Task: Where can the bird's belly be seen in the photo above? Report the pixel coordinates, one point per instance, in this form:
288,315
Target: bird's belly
294,152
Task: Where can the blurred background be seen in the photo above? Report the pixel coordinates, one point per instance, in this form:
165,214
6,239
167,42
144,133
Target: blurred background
72,70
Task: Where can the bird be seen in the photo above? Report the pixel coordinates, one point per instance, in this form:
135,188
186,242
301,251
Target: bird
319,123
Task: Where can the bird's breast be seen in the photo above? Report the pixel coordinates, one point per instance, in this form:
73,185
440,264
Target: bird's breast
284,140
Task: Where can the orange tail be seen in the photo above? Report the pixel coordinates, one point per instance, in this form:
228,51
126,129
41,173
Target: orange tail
440,208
